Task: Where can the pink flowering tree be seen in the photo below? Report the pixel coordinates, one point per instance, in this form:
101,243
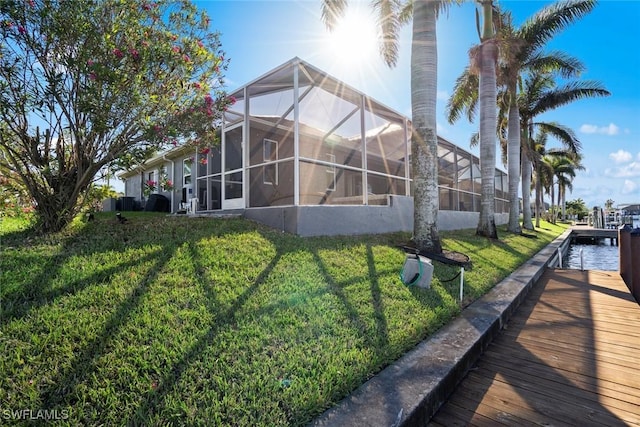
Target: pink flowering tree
88,86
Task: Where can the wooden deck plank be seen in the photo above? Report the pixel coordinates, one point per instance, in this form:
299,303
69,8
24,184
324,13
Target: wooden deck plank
630,336
561,351
603,349
605,352
569,356
468,400
548,408
562,388
503,401
455,415
588,382
577,365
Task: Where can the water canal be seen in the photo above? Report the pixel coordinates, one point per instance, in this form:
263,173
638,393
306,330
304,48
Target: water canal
601,256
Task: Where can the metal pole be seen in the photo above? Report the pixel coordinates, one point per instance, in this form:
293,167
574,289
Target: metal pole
581,260
461,284
559,258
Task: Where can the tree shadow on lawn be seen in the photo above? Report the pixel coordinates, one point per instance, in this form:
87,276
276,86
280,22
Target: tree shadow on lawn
101,237
62,389
338,289
85,360
497,263
39,292
153,402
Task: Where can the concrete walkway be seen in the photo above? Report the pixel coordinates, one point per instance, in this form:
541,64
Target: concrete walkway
409,392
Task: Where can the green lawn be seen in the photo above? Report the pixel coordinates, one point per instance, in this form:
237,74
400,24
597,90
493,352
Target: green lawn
174,320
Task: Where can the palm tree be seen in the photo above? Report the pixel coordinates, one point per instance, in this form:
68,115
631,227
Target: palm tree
424,140
609,204
485,58
536,150
539,95
520,51
565,181
558,166
577,208
544,176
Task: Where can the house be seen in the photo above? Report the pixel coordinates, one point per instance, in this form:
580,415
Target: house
303,152
630,209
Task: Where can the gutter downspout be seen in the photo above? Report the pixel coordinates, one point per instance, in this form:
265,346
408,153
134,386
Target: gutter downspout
141,172
173,175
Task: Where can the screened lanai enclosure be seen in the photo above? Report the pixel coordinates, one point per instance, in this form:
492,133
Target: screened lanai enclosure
300,150
296,136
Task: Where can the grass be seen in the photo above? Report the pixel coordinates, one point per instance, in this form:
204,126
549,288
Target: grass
174,320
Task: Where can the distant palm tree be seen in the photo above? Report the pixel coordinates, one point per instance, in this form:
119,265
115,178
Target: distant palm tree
565,181
539,95
559,167
577,208
520,52
424,140
609,203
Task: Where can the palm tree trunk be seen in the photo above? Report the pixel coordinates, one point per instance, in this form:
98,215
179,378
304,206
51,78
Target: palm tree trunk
488,116
539,200
424,140
526,183
563,203
513,161
553,203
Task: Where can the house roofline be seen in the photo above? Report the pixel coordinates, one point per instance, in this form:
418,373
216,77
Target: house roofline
158,159
297,61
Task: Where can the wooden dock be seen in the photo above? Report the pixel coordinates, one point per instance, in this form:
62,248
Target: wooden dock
588,235
569,356
610,233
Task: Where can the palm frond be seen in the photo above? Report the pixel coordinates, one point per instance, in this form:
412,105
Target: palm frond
550,20
569,92
555,61
442,6
406,13
474,141
389,25
533,87
332,11
464,98
564,134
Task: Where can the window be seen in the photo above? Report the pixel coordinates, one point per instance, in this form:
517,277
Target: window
186,171
269,154
331,172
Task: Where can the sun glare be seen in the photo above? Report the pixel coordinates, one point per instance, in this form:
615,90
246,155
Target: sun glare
354,38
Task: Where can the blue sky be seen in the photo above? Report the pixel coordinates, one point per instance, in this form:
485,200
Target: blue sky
260,35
